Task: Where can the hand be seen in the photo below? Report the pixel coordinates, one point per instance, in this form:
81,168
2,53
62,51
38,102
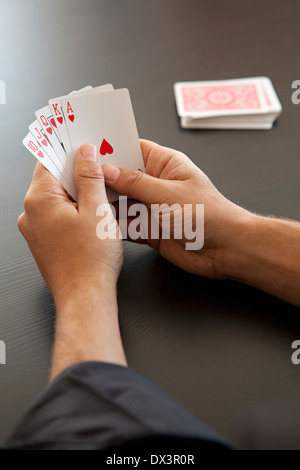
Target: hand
172,178
61,234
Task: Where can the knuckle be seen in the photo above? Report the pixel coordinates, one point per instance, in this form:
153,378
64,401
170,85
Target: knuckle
21,223
136,179
21,220
91,172
30,202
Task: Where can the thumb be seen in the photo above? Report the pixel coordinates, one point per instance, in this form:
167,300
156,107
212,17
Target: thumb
135,184
89,178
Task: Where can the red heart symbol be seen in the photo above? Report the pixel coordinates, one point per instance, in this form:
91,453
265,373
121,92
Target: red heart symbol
53,122
40,154
49,130
60,120
106,148
44,142
71,117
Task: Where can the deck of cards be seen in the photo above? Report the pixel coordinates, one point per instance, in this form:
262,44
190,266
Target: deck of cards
101,116
244,103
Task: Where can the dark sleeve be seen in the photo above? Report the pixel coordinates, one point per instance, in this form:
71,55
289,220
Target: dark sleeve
95,405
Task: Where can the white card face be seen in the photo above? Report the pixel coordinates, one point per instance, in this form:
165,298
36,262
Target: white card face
55,107
225,97
35,149
87,91
47,121
107,121
38,133
58,112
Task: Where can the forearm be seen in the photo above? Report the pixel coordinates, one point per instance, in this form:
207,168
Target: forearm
87,328
266,254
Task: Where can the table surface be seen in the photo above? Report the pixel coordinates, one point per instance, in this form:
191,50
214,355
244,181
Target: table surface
221,349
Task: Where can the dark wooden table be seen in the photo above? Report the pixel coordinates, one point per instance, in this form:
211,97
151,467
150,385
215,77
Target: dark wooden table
222,349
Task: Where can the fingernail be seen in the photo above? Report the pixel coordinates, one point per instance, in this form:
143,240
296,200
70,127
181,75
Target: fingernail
89,152
111,172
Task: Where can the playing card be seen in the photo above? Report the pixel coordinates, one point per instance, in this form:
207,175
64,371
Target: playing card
35,149
48,123
225,97
38,133
57,113
107,121
227,122
57,107
270,95
101,116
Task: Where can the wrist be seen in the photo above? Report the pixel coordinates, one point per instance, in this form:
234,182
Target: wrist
81,292
234,255
87,327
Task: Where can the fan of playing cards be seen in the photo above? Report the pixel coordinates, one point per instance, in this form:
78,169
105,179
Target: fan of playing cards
101,116
245,103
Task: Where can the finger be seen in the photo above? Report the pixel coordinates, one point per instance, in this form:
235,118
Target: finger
42,177
122,207
156,157
44,186
41,172
136,184
162,161
128,215
89,178
22,223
